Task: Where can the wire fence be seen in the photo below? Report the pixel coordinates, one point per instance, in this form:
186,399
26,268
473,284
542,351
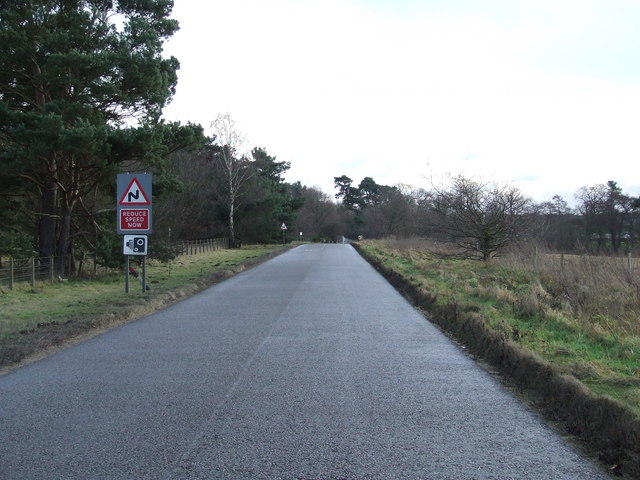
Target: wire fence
29,271
193,247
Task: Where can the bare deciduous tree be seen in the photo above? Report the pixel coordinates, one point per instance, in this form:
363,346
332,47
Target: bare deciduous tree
234,165
607,214
481,218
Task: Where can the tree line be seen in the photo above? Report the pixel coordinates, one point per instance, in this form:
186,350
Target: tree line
81,98
484,218
82,87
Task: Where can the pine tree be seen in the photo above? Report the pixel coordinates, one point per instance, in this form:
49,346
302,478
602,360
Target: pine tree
82,87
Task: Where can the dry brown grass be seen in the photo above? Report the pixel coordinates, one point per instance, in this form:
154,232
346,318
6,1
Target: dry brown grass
602,293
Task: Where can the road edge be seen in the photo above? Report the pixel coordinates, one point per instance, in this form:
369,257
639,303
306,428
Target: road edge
103,323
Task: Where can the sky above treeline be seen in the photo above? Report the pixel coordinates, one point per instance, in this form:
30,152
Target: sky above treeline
544,94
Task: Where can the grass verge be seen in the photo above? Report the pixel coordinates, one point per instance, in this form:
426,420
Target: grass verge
34,321
584,378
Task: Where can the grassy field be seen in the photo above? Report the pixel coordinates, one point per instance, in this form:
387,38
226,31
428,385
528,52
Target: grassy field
36,319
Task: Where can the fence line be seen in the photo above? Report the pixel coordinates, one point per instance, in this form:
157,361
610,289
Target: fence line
14,271
192,247
542,259
28,270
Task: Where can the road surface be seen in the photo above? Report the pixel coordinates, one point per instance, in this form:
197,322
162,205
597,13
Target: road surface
309,366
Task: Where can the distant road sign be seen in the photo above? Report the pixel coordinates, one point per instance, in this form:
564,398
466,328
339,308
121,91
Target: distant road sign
283,226
134,203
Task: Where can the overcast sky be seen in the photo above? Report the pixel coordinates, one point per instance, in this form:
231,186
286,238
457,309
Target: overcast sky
541,94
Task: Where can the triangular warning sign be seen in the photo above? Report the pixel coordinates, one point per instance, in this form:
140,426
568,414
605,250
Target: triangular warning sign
134,195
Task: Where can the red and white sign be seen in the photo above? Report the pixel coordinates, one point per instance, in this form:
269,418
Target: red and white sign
134,202
134,219
134,194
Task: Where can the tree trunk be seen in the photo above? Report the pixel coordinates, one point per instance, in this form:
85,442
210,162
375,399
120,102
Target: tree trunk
46,220
232,232
615,230
64,239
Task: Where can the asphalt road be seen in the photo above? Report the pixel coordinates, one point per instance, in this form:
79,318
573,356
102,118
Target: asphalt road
309,366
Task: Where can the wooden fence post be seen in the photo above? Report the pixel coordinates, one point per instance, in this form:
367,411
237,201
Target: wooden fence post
51,269
33,272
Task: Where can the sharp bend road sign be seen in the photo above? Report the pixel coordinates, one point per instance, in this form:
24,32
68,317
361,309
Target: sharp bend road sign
134,203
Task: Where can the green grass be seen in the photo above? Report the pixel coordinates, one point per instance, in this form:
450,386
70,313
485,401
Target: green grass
600,351
33,319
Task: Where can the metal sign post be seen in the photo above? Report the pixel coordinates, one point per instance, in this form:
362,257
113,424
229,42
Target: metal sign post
283,227
126,274
144,274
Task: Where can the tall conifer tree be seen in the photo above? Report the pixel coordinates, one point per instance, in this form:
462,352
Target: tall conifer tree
82,87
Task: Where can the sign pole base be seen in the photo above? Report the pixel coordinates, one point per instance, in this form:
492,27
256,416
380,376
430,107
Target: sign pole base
126,274
144,274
